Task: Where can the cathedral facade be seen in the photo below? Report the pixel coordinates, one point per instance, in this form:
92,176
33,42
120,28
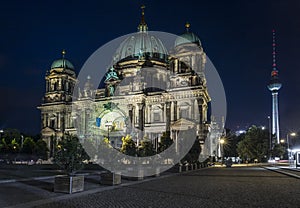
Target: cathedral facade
143,94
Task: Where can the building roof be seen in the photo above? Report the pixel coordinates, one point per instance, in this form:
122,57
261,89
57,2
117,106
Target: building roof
62,63
187,37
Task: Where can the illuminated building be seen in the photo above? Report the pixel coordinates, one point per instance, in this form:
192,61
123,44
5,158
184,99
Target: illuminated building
142,103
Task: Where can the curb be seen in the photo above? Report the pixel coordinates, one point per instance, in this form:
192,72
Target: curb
277,170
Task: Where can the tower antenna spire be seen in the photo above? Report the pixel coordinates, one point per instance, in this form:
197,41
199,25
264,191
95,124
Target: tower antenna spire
274,50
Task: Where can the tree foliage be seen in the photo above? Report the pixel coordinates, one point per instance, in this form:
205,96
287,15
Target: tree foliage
278,150
41,149
146,148
128,146
28,146
193,155
254,144
14,147
70,155
165,141
11,134
4,148
230,146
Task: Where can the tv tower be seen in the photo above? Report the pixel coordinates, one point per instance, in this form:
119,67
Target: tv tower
274,86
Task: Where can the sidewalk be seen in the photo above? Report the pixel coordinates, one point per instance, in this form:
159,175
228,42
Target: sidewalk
34,191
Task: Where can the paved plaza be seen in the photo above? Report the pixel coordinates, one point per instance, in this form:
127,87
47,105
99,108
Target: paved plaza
208,187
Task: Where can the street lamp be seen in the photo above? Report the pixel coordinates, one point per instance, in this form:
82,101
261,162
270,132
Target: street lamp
108,124
22,141
1,131
270,136
288,144
222,141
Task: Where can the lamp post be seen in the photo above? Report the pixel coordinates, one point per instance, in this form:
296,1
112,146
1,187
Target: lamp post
270,137
108,124
288,145
22,141
1,131
222,141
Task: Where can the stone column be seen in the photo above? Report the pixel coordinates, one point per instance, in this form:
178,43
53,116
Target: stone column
59,121
200,129
150,114
192,113
141,119
176,66
175,110
47,86
130,123
168,117
200,107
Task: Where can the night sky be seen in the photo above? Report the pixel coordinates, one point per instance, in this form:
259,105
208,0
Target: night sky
236,35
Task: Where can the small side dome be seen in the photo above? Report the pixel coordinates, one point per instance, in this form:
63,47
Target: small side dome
62,63
187,37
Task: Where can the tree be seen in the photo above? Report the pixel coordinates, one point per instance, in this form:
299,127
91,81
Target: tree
4,148
278,151
70,155
230,147
254,144
146,148
28,146
41,149
10,134
128,146
165,141
14,146
193,155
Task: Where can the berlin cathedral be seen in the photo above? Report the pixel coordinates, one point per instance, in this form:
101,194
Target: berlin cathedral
143,94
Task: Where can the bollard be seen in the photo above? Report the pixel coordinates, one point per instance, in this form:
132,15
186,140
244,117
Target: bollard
180,168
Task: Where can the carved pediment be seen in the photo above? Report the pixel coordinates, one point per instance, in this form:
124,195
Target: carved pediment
182,124
48,131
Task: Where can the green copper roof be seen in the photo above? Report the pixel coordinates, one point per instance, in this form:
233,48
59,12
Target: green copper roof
187,37
141,44
62,63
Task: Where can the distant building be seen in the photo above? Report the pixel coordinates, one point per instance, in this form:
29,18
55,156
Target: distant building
212,146
126,102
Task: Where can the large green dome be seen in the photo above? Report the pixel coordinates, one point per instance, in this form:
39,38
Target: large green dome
62,63
141,44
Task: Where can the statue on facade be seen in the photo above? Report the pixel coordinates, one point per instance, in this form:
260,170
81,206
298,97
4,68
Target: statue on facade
112,74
